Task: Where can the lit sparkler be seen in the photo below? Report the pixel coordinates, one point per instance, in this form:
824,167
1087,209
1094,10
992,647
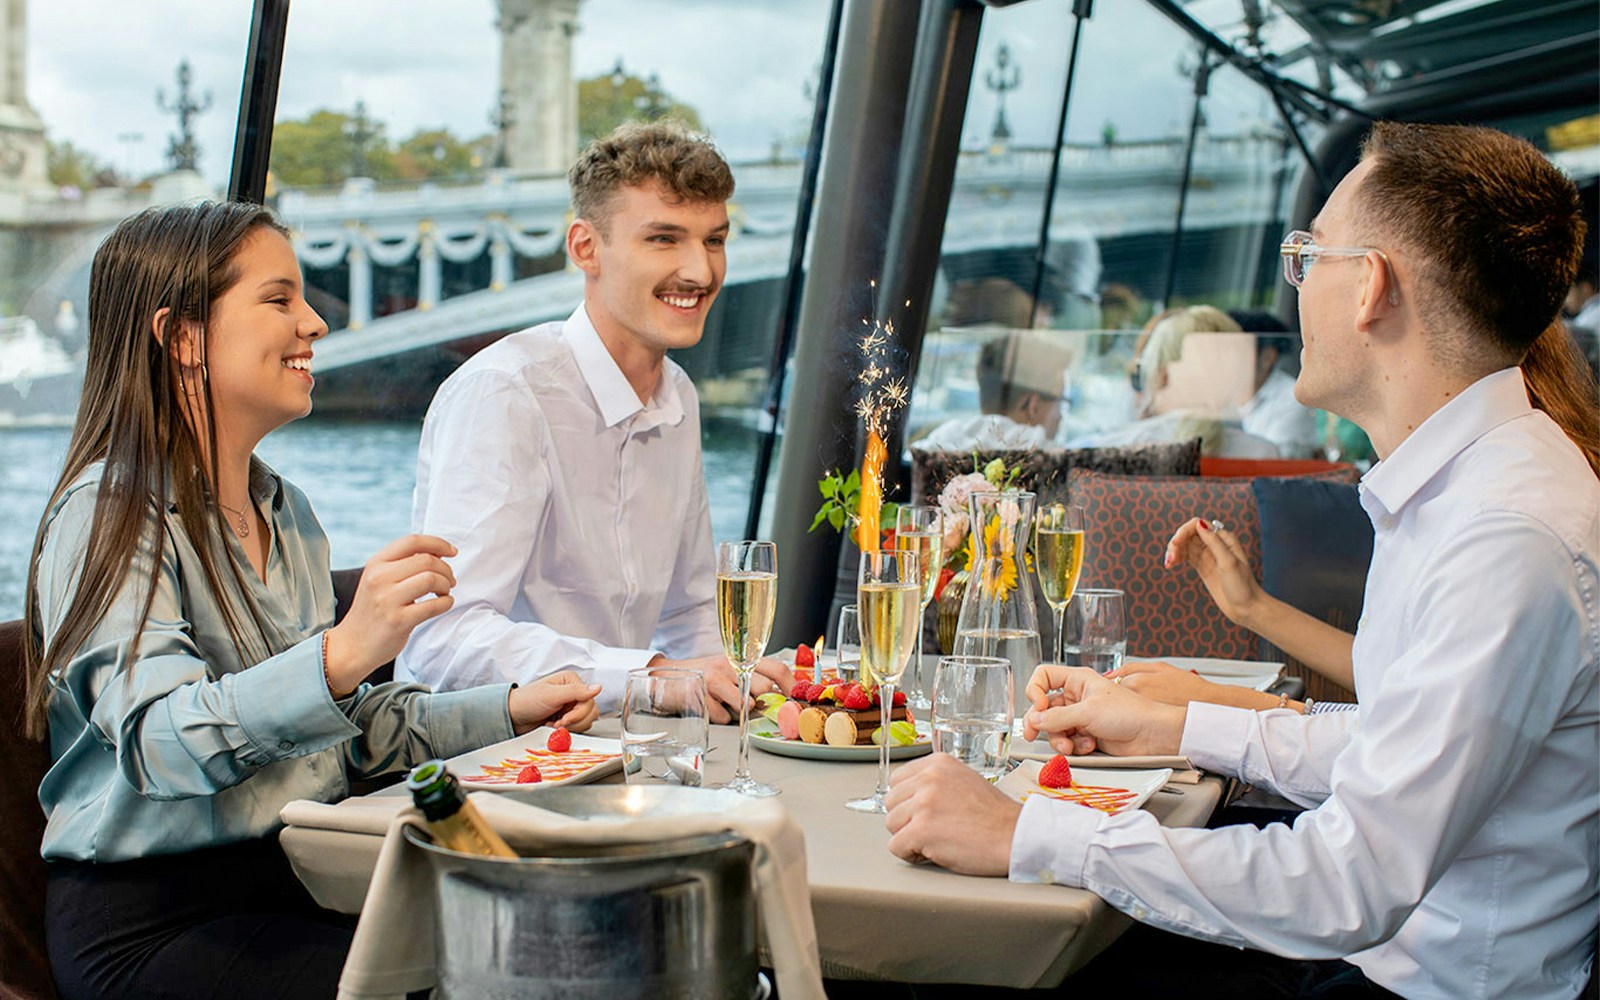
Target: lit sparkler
881,396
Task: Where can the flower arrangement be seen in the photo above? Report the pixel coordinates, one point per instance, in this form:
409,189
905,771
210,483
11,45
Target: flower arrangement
959,544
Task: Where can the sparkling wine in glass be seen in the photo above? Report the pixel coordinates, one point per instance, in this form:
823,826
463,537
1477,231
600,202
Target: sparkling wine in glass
889,596
747,588
1058,558
920,529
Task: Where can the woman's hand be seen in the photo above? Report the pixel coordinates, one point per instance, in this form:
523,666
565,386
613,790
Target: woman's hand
1168,684
562,699
388,605
1223,567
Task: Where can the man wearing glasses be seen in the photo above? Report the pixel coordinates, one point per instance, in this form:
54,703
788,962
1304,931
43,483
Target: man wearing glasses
1449,843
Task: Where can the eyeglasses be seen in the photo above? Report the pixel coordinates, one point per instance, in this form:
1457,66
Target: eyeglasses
1299,253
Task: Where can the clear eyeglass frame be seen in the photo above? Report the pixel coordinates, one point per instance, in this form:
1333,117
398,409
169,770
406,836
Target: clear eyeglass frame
1300,250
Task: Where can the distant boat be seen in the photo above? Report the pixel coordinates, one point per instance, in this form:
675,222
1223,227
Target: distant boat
39,380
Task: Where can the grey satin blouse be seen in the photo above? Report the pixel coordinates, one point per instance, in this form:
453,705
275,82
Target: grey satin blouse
189,746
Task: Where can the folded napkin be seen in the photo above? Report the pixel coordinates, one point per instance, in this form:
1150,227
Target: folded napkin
368,814
393,950
1183,772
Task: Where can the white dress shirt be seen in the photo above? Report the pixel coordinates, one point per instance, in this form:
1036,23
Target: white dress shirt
985,432
580,515
1273,413
1452,848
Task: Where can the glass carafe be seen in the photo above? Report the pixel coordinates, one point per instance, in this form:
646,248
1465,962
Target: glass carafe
997,616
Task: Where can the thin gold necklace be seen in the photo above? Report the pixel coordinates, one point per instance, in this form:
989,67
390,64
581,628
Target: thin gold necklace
239,519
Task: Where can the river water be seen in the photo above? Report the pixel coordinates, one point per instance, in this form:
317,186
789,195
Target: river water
359,476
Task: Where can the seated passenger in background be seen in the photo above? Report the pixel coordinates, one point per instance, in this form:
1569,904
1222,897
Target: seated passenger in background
1191,386
564,460
181,644
1021,382
1448,849
1273,413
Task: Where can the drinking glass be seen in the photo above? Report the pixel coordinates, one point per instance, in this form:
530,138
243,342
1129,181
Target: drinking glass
889,596
972,712
1058,558
1093,631
847,647
920,529
747,586
665,727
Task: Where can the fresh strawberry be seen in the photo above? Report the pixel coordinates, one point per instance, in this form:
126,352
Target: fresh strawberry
856,700
802,675
808,693
804,657
560,741
529,775
899,699
1056,774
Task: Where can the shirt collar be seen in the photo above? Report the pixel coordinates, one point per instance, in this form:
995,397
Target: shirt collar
611,389
1483,406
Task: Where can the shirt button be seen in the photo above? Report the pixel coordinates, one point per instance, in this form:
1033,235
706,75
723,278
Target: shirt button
1047,877
285,745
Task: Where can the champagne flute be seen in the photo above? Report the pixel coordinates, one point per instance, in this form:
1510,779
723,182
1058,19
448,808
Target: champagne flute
1058,559
920,529
747,585
889,595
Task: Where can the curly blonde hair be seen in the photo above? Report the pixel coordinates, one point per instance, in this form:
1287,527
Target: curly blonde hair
685,163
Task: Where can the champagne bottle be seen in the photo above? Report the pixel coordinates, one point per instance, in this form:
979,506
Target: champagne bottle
454,822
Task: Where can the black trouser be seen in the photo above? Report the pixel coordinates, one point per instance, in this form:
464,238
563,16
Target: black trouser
228,922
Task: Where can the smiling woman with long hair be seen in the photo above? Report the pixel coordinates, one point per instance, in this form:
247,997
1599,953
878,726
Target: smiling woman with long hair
183,656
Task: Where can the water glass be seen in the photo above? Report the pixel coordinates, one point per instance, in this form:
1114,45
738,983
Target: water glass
665,727
847,645
1093,632
972,712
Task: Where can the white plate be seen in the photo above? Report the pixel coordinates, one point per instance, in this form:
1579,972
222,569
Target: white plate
518,747
1258,674
764,735
1142,783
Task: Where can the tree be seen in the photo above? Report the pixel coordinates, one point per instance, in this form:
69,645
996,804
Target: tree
325,149
69,166
437,153
608,100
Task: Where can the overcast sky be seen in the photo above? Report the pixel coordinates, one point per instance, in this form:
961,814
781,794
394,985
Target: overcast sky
95,67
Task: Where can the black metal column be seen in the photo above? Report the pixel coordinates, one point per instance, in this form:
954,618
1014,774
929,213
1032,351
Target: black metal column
856,206
258,101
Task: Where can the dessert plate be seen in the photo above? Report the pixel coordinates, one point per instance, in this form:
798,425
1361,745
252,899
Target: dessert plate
494,768
1110,791
764,735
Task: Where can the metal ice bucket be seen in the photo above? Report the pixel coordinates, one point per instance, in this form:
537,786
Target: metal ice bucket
670,920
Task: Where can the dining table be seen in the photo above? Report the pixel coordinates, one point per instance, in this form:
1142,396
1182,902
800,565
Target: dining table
877,917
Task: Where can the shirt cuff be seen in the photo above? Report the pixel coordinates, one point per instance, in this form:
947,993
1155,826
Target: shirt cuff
1051,841
462,721
284,707
1214,737
610,671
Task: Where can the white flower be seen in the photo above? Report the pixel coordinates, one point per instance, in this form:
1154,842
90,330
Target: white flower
955,531
953,498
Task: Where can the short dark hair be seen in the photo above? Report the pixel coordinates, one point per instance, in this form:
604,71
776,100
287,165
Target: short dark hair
1264,325
683,162
1495,228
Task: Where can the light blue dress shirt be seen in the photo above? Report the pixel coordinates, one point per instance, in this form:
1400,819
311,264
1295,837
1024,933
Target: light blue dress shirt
187,745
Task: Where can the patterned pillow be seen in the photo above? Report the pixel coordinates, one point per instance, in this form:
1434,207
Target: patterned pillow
1045,472
1130,520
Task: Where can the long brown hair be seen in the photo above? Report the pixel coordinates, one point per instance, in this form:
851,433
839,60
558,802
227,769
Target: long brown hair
1561,384
135,416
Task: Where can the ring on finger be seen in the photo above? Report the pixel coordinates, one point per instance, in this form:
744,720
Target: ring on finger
1116,680
1217,525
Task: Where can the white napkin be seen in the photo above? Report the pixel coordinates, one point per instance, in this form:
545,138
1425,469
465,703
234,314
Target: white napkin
393,950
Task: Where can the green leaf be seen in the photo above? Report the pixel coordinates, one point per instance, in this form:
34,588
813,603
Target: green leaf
822,515
836,518
853,483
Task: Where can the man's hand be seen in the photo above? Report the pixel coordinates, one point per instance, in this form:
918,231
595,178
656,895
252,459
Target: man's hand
722,682
562,699
1081,711
943,811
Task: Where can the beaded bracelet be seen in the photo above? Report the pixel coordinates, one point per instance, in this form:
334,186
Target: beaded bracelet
327,677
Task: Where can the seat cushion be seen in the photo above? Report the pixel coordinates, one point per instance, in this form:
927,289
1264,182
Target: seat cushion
1046,472
24,964
1316,545
1130,519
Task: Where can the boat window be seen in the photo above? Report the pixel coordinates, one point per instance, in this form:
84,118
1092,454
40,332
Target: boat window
420,154
99,123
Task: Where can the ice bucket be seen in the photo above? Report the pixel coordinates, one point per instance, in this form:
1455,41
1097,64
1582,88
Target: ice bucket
673,919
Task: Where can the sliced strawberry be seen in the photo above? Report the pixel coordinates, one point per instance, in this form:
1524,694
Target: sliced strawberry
529,775
1057,773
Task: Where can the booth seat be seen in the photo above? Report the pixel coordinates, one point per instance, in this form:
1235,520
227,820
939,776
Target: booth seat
1130,519
1045,471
